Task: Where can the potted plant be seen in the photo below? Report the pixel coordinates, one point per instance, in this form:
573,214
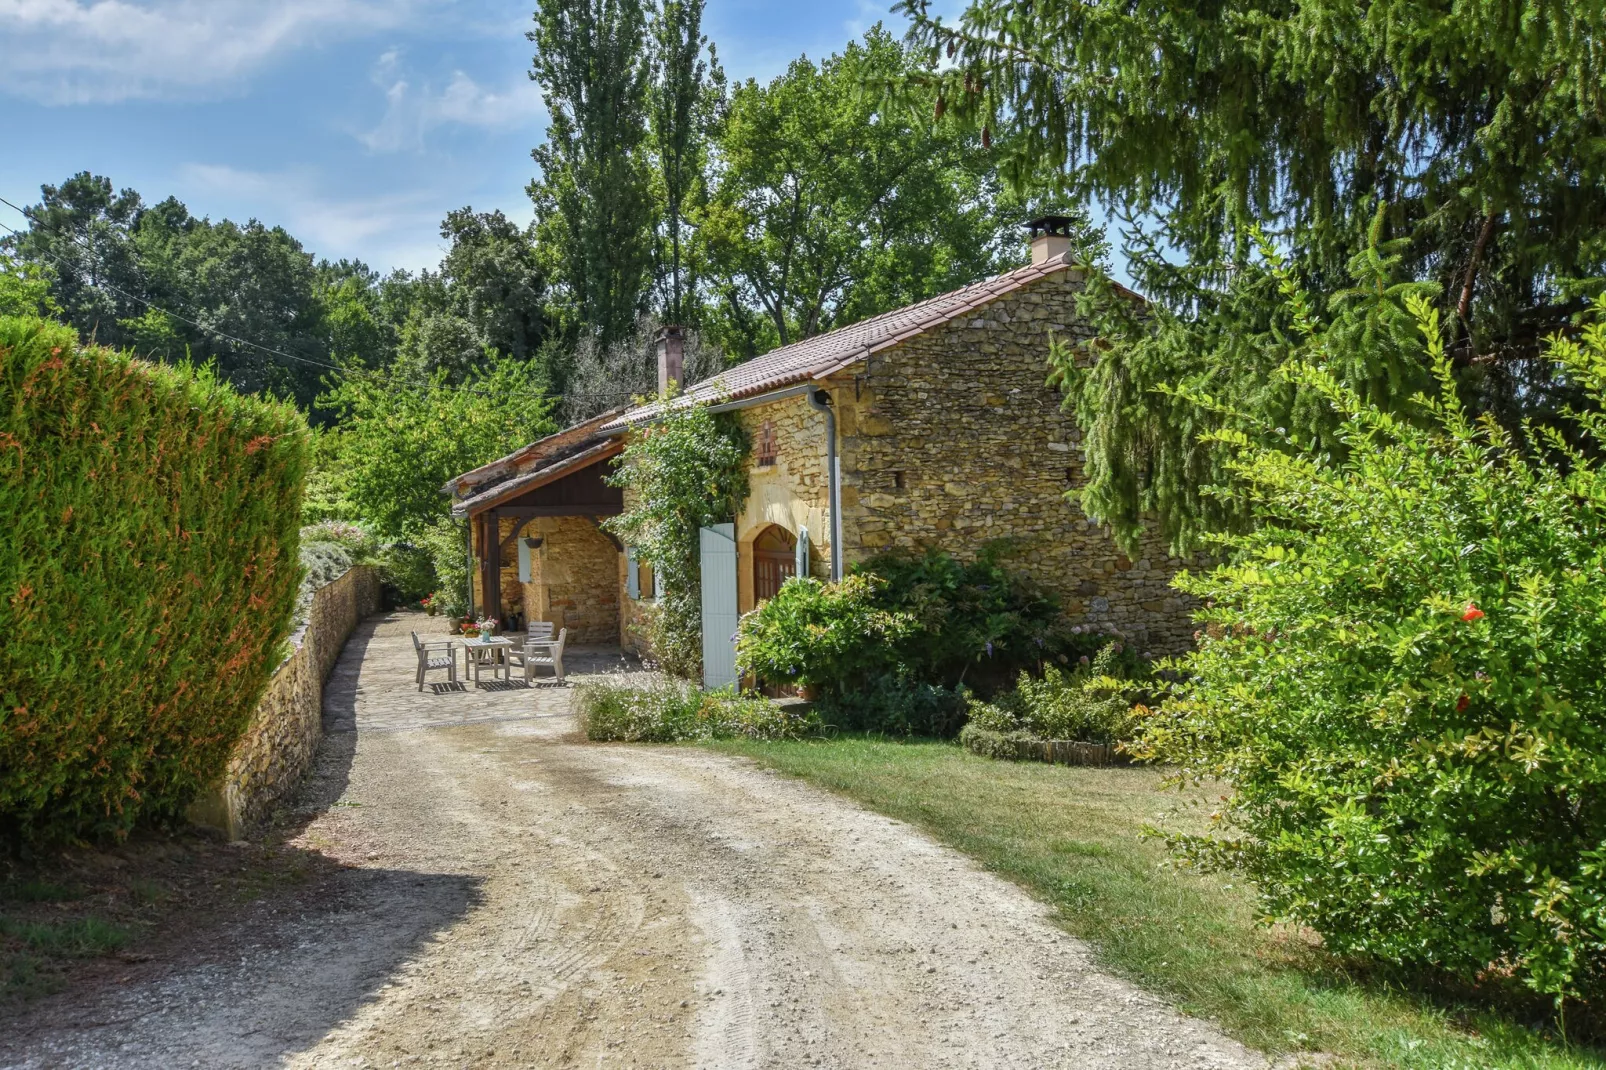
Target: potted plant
428,602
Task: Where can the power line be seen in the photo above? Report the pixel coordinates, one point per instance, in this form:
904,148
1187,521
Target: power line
174,315
243,341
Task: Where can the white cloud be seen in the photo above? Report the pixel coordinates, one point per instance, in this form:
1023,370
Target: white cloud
411,112
384,230
99,51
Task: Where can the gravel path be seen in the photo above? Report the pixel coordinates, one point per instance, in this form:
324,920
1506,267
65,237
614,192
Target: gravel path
516,898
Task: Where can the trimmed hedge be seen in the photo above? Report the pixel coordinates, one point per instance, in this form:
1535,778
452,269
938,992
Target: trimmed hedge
148,570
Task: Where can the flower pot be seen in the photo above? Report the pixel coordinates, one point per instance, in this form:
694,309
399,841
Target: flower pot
457,627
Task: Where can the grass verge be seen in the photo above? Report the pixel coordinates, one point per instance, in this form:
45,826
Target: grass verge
1072,837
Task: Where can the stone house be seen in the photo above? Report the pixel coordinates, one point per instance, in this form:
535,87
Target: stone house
929,426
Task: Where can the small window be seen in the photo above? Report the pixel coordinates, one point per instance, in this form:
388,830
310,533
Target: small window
897,480
645,579
765,449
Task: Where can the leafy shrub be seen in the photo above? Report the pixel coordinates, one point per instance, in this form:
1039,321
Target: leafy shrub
669,711
408,572
828,635
148,571
445,543
686,471
1089,705
895,706
1006,745
1400,674
973,622
360,546
890,647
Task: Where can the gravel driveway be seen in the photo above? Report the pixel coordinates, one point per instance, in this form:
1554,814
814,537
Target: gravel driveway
517,898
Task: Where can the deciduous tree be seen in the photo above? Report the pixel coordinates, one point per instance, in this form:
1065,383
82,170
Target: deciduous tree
829,207
593,204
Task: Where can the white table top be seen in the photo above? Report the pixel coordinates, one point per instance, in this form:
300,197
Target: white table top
495,640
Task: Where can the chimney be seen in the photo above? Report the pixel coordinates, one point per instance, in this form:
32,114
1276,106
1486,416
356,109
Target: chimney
1051,236
671,359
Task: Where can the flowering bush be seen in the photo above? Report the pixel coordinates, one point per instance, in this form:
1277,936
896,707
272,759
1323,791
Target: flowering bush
1400,673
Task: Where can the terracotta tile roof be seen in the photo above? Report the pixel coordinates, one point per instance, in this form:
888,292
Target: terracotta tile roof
824,354
800,362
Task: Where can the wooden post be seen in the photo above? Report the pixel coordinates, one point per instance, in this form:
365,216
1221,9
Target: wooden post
493,589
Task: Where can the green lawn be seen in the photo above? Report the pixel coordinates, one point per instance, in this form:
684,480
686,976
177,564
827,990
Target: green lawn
1072,837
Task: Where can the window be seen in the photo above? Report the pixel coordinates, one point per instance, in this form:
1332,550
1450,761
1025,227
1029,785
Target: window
765,449
897,480
774,561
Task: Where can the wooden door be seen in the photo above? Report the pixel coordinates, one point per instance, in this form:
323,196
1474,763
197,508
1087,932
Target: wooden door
774,562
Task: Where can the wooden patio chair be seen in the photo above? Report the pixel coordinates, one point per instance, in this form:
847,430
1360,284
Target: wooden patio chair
543,652
538,630
428,658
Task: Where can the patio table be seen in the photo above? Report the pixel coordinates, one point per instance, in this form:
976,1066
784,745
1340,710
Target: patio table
496,643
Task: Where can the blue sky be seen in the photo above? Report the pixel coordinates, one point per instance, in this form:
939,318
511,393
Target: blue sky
355,124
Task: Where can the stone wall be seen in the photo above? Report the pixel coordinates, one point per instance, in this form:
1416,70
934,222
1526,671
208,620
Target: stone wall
792,493
277,749
953,440
574,578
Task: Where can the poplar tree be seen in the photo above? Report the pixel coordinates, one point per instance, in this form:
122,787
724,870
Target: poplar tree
593,204
1456,149
687,92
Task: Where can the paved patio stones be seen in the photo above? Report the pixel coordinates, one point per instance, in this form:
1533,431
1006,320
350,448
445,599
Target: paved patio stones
374,687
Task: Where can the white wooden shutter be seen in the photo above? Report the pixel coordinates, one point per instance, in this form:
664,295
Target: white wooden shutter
719,605
524,560
802,566
632,573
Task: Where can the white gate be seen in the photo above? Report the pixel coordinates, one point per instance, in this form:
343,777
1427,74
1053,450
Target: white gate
719,605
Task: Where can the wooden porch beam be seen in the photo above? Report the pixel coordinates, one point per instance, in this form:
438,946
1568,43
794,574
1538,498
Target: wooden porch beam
526,511
597,521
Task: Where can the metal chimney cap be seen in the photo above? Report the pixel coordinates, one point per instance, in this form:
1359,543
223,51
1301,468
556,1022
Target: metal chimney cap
1058,226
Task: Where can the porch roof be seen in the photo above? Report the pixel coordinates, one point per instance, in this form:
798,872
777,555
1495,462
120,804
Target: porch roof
540,476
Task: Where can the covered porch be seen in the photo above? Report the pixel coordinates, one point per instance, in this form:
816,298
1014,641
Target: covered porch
540,553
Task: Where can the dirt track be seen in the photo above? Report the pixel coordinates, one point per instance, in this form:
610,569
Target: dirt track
521,899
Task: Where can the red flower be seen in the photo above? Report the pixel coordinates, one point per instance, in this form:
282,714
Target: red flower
1473,612
1462,703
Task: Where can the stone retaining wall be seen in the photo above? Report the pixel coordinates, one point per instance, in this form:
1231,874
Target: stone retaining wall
277,750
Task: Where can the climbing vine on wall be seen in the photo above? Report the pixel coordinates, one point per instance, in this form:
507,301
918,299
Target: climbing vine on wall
683,472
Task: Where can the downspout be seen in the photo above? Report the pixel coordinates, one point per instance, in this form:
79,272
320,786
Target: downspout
820,400
468,548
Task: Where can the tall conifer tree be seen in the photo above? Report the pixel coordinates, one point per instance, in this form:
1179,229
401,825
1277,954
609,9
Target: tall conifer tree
1458,149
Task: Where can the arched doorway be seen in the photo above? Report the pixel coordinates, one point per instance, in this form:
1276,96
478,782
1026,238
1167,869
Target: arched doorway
774,561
